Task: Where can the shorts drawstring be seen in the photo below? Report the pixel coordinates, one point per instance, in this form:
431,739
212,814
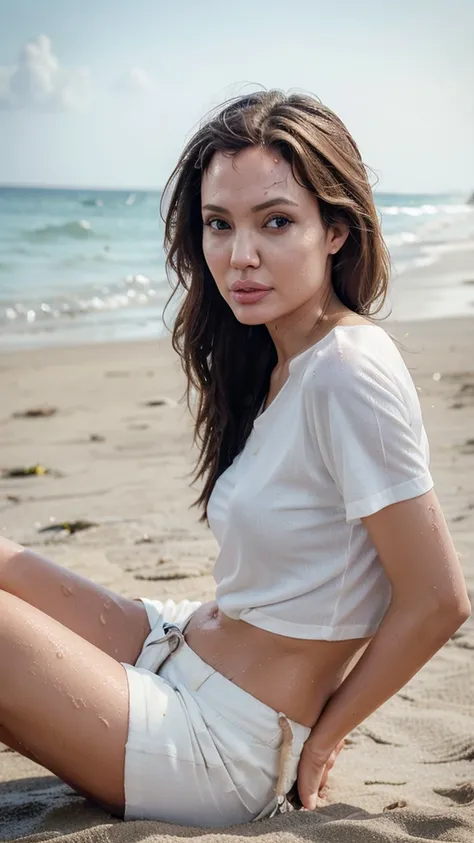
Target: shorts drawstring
284,766
173,636
157,650
285,756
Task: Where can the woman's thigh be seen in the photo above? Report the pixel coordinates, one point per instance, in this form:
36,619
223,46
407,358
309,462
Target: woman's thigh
65,700
116,625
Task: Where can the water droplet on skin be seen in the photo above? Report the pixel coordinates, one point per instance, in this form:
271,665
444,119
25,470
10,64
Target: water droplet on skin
66,590
103,620
107,604
59,655
104,721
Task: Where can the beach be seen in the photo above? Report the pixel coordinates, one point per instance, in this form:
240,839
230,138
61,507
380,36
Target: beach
115,453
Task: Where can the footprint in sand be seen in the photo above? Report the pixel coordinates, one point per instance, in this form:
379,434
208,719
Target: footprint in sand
464,395
464,643
462,750
466,390
165,568
462,794
375,737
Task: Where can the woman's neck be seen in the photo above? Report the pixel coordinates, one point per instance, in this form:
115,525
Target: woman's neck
293,335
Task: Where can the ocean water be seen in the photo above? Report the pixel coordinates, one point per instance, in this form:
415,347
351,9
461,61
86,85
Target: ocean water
84,266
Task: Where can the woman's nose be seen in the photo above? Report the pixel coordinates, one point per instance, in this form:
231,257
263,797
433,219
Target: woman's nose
244,252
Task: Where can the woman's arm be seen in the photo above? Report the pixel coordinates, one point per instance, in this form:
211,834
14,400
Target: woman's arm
429,602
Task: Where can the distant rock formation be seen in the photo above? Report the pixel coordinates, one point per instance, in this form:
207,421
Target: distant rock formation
470,201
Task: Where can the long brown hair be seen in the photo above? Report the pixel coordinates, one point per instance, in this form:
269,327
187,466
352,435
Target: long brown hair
226,363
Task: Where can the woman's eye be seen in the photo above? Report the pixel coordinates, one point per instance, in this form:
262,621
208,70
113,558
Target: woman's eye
218,226
279,219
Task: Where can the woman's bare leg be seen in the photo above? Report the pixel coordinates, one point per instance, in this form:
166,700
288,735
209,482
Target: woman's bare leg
116,625
63,701
9,740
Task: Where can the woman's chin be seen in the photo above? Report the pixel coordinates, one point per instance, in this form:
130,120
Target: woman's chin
252,314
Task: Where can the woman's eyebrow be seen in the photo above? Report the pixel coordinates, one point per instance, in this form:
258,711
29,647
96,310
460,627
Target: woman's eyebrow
279,200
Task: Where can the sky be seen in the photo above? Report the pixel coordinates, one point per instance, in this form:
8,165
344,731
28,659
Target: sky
104,93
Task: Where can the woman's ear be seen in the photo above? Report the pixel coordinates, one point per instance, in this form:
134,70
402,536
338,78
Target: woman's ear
337,236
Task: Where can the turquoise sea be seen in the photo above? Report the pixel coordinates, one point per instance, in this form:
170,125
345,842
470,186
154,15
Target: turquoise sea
83,266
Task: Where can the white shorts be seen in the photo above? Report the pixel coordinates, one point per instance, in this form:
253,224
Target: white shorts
200,750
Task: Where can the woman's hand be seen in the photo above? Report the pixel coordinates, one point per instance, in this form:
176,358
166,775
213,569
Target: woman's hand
313,772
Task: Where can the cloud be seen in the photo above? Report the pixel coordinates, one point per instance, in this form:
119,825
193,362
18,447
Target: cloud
39,83
135,81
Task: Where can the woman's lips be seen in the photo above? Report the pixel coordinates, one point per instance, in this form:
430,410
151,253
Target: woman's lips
249,296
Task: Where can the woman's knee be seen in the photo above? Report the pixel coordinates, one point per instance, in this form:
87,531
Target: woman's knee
9,553
12,618
115,624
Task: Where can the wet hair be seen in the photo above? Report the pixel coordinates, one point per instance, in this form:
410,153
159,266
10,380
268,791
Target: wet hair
228,364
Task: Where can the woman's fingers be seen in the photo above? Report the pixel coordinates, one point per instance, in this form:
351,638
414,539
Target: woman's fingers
329,765
310,772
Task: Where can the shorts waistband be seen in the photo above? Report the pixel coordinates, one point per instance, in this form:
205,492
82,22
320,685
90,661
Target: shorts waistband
253,715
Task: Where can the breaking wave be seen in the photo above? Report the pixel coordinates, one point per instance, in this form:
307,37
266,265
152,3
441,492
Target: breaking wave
75,230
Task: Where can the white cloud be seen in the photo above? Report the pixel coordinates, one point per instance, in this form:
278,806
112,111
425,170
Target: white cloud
135,81
39,83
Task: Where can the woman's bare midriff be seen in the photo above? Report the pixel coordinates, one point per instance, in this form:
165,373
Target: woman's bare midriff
292,675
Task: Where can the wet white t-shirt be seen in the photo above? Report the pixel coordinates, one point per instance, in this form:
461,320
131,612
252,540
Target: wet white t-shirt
343,439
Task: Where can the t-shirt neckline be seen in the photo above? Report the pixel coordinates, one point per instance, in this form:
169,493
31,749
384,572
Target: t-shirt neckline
295,362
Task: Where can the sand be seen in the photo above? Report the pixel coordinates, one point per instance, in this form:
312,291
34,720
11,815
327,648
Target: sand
406,774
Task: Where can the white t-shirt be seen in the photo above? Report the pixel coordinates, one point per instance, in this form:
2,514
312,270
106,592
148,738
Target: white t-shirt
343,439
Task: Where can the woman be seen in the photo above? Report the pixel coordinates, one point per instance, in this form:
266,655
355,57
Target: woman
336,579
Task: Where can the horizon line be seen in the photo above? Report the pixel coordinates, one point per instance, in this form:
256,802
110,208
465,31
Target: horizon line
44,186
155,189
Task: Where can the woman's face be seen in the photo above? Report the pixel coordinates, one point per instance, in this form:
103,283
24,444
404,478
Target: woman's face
263,239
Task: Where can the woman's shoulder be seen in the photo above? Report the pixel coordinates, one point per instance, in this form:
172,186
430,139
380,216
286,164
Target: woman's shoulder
354,340
355,353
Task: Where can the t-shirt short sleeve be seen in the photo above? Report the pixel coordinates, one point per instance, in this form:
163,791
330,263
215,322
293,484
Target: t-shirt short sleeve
366,419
